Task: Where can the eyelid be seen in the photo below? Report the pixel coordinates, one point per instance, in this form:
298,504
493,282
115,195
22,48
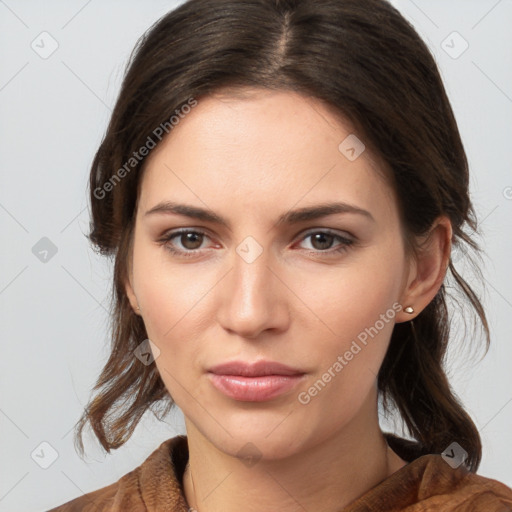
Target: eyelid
344,242
302,234
168,235
330,231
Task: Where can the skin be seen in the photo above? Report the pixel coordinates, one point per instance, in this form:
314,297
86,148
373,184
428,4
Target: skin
251,159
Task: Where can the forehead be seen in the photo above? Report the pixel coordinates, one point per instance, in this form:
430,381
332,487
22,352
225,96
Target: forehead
264,147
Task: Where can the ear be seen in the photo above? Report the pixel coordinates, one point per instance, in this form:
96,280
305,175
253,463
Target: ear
128,286
428,269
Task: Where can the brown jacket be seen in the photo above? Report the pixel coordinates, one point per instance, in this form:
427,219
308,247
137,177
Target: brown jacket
426,484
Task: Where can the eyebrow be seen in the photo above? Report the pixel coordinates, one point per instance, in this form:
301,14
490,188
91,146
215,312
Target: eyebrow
290,217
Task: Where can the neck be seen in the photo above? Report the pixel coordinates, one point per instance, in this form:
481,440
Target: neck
328,475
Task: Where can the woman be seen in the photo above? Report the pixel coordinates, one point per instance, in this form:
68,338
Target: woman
281,184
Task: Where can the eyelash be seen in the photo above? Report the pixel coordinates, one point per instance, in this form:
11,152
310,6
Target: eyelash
166,239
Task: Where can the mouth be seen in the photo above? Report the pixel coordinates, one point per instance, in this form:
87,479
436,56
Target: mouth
254,382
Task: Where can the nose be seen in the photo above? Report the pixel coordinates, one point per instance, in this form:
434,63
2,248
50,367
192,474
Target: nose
253,298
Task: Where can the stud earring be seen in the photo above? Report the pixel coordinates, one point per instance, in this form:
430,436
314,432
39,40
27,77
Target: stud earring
409,309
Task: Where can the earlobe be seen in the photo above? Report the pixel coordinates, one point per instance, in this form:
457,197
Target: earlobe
406,314
131,296
128,281
432,261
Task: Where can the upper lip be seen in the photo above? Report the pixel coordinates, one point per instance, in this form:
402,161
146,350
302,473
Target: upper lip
254,369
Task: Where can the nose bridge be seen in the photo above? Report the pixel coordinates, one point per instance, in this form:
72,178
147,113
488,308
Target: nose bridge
251,300
252,279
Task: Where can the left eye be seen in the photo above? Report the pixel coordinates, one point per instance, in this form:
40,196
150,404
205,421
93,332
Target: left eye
190,240
322,240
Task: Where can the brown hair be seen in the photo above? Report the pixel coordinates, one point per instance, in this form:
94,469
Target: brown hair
370,66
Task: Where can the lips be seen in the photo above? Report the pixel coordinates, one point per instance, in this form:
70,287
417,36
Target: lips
256,369
254,382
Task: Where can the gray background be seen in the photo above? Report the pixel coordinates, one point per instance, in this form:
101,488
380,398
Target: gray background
53,113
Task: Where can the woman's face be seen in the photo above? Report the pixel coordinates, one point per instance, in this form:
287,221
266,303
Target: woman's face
319,294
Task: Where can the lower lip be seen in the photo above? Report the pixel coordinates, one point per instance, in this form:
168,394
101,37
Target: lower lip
254,389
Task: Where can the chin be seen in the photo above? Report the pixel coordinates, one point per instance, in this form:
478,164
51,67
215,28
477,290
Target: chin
262,440
252,449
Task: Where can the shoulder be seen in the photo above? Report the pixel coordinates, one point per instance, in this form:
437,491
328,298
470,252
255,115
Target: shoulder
466,490
429,483
434,485
149,486
125,492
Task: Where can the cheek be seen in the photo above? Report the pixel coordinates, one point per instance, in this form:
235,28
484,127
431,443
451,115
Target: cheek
172,308
174,299
348,361
356,309
351,299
